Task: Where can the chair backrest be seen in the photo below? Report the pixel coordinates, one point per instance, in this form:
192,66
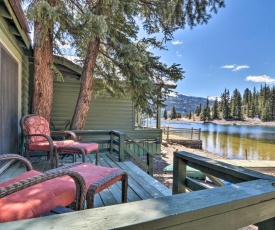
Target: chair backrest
34,124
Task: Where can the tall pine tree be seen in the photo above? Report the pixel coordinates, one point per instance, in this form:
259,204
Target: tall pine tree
215,109
173,114
236,105
105,36
165,114
225,104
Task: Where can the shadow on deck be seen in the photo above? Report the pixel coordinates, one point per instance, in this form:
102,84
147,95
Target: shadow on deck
141,185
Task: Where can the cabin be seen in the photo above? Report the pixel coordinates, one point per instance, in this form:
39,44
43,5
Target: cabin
250,199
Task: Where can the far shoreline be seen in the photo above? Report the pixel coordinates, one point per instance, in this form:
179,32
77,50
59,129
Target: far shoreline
247,122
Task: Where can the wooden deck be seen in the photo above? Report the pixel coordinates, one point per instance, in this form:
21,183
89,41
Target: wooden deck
141,185
249,200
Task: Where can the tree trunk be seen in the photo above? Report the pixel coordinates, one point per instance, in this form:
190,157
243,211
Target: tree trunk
43,75
85,94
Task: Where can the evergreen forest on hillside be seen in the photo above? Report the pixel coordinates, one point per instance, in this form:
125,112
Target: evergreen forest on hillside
251,104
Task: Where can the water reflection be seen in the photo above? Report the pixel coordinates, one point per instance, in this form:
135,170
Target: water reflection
234,141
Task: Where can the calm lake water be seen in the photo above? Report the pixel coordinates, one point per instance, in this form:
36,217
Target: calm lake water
233,141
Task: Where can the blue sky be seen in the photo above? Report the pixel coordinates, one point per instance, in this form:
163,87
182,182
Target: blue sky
236,49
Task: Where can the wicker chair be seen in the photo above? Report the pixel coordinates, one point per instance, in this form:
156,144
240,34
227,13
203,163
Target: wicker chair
37,134
33,193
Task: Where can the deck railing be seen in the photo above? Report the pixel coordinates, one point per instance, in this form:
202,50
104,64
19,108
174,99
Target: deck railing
117,143
216,171
176,133
250,200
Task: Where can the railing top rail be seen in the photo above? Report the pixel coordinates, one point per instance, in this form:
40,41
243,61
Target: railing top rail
173,128
97,132
93,132
214,167
218,207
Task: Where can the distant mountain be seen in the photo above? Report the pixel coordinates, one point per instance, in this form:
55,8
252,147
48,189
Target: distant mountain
184,104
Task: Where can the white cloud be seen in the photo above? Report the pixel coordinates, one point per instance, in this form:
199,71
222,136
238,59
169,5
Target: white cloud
177,42
178,54
261,79
235,67
228,67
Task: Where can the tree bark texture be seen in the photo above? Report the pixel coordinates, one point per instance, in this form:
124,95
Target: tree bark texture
85,93
43,75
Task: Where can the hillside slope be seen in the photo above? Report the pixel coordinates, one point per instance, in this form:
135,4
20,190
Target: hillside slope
184,104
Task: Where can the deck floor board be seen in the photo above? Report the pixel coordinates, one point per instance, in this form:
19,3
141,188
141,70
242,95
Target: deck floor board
141,186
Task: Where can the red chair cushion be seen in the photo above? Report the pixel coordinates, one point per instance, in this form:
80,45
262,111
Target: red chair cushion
37,199
87,147
93,173
45,146
36,125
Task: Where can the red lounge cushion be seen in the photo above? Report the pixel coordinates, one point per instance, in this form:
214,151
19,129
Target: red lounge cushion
87,147
37,199
93,173
44,145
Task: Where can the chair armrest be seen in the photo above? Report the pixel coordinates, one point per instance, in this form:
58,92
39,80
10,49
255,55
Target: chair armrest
69,133
10,156
78,179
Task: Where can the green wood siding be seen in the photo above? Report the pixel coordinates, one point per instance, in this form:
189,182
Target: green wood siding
104,114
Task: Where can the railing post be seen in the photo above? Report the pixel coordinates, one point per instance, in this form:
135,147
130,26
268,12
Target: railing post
199,134
150,164
111,143
167,134
121,146
192,133
179,175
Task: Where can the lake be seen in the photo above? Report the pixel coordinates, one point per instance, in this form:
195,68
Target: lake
234,141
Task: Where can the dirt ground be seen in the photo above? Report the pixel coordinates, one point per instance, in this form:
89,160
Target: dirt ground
160,162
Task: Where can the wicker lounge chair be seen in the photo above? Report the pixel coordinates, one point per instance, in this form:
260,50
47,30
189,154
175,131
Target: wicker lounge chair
37,134
33,193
